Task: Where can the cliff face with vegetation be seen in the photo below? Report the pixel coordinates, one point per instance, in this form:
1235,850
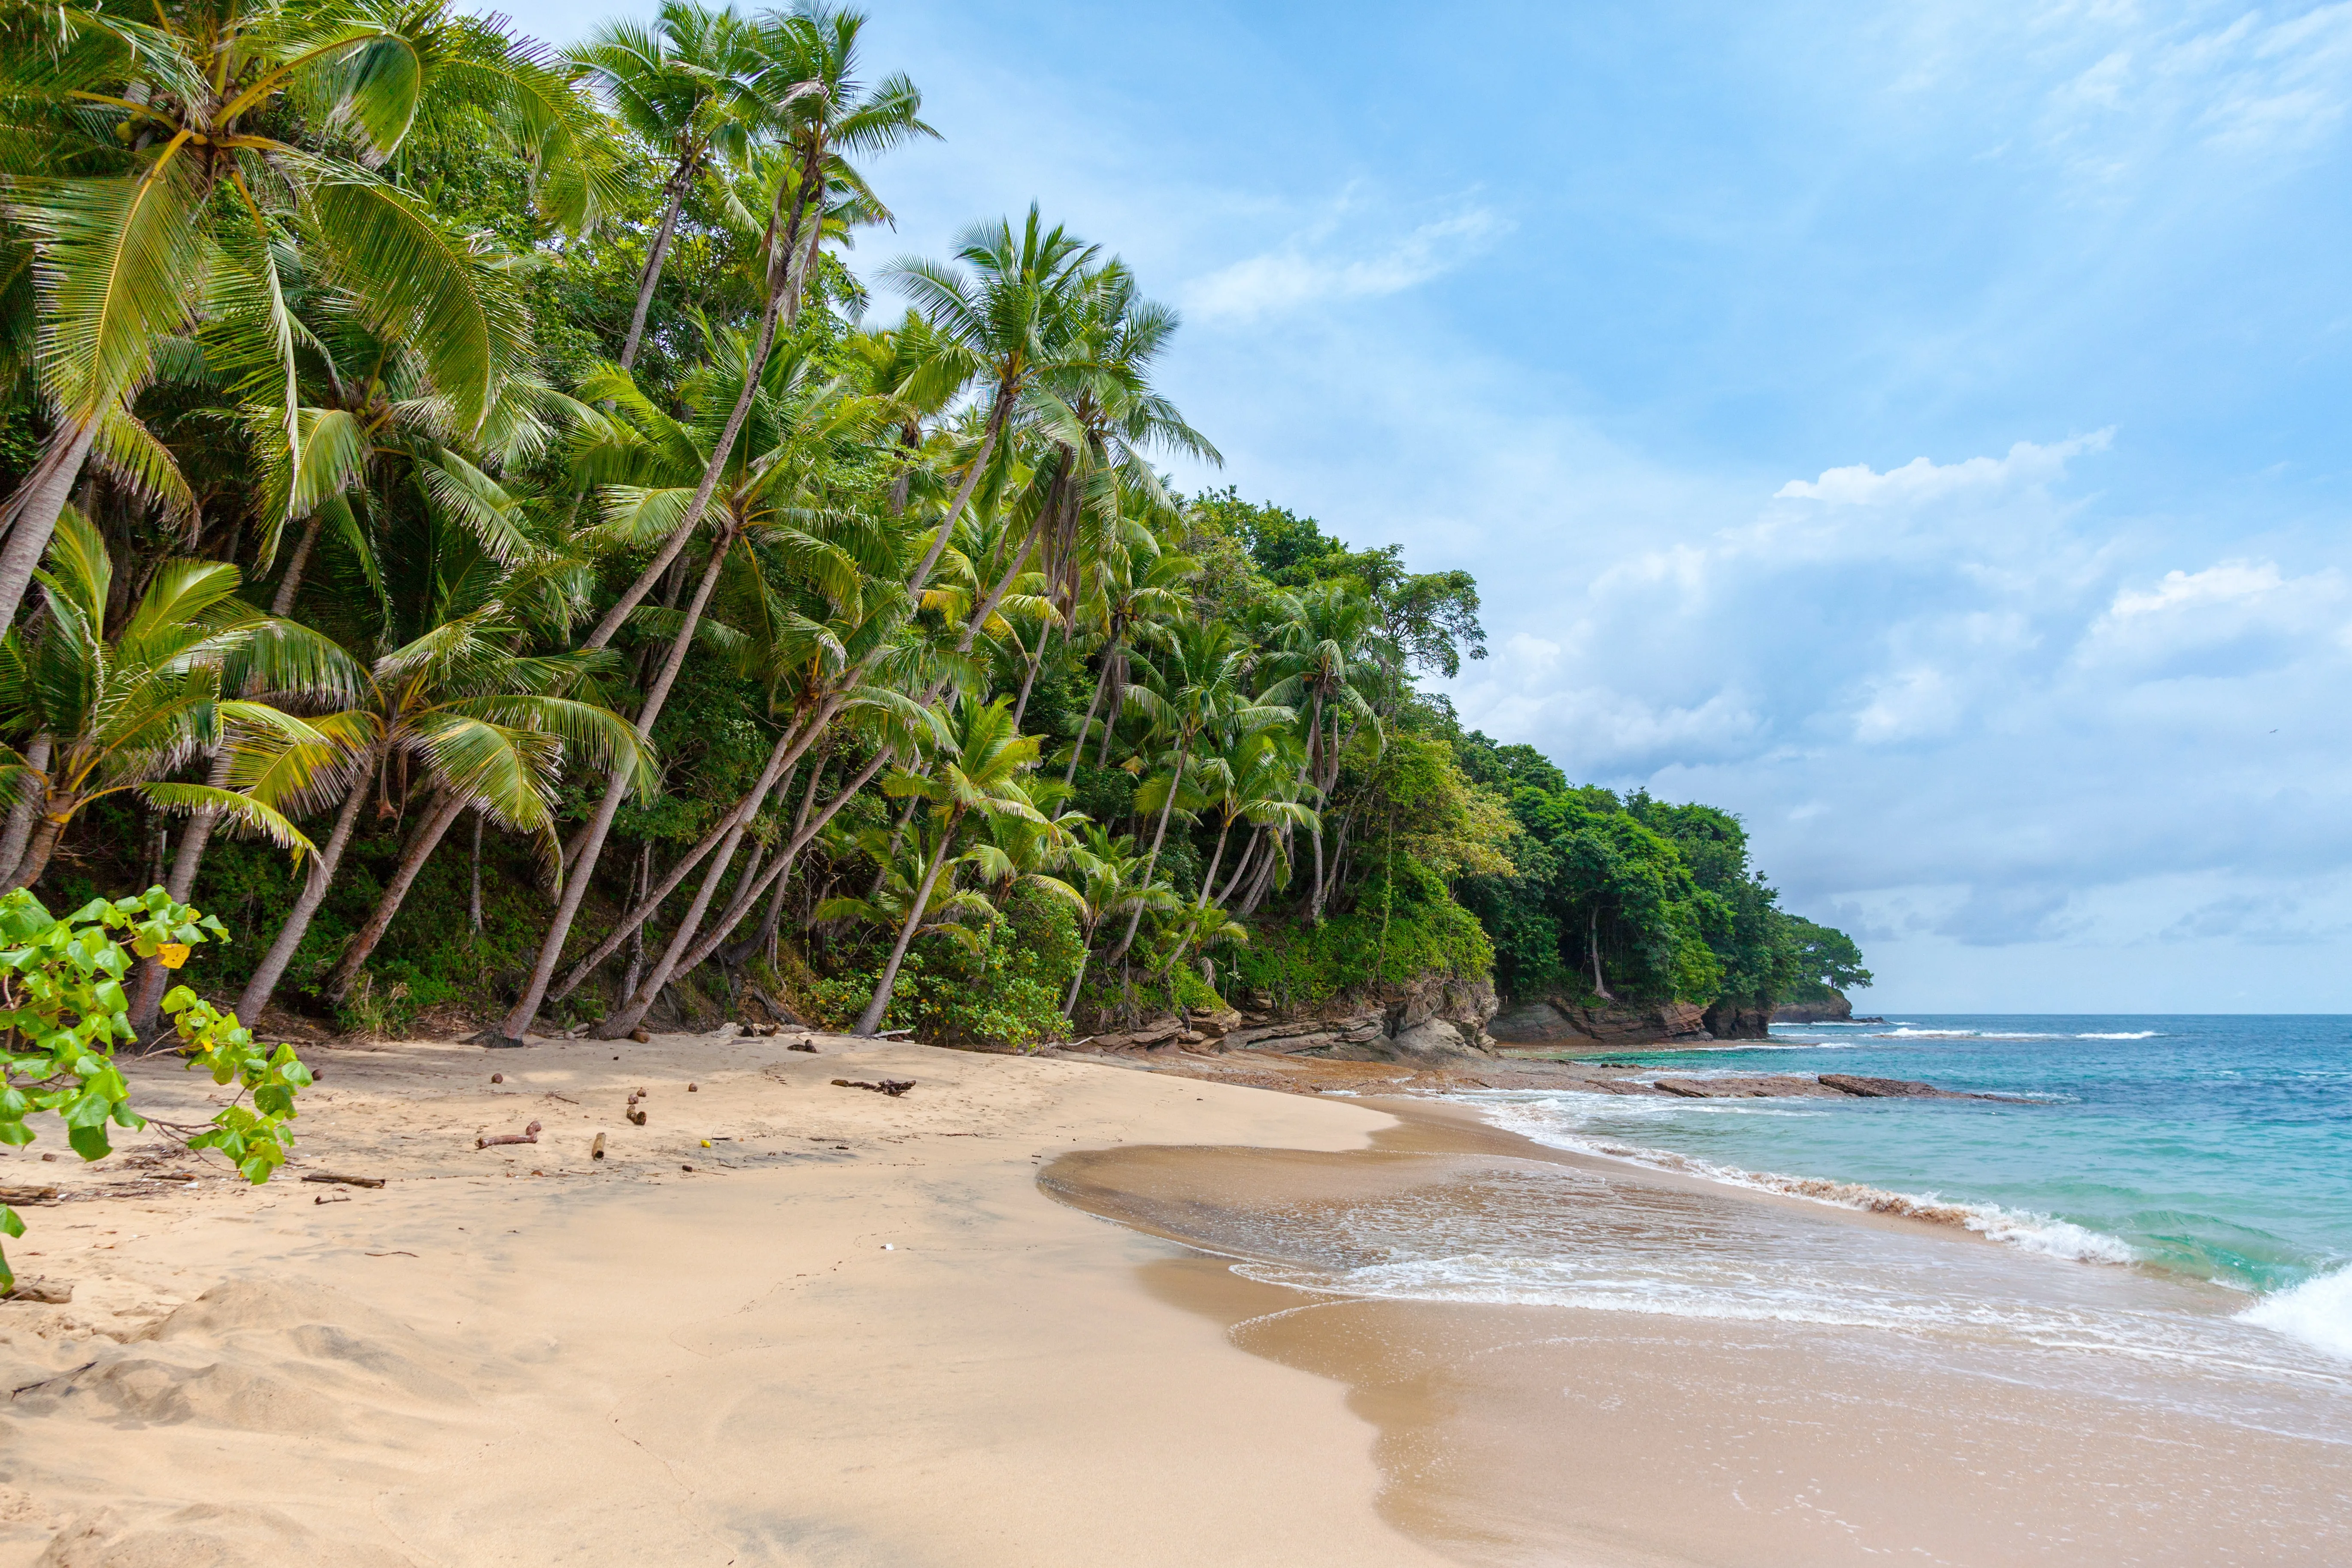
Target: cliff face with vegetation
511,501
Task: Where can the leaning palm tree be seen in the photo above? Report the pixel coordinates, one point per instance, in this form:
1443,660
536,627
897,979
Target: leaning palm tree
827,115
123,714
1010,319
181,155
693,84
486,727
1327,654
1193,692
1111,883
946,910
982,775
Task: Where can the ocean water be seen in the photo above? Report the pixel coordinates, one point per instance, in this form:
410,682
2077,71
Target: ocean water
2213,1151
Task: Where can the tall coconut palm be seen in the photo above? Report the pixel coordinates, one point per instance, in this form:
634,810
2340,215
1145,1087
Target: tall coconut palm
826,116
1191,690
1326,655
184,154
486,727
696,85
1127,606
1110,884
124,714
982,774
1006,323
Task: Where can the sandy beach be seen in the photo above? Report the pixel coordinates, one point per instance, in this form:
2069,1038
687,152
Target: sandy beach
785,1322
856,1332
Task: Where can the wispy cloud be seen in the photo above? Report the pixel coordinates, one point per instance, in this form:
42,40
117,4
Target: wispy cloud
1331,262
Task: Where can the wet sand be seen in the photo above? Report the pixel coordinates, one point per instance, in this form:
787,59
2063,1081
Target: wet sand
1543,1433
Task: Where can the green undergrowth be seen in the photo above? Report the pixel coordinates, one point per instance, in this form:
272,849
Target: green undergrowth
1406,927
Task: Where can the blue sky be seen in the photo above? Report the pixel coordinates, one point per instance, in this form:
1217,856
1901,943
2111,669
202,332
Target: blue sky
1922,432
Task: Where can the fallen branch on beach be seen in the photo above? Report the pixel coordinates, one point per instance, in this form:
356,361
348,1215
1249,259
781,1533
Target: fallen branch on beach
893,1087
527,1135
348,1180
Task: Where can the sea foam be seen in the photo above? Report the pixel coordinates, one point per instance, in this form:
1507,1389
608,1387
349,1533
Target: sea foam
2318,1313
2045,1234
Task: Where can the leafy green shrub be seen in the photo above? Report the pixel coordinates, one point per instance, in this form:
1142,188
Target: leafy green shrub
64,1010
1009,994
1405,926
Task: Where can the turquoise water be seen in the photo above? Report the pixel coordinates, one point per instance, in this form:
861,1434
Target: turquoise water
2214,1147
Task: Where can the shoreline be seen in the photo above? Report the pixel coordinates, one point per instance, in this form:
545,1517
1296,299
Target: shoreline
863,1328
1516,1429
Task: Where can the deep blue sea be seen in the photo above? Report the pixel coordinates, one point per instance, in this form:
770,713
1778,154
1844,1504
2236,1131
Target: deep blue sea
2217,1147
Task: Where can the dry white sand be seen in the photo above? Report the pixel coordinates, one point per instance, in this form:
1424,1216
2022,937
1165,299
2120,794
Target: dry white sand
854,1332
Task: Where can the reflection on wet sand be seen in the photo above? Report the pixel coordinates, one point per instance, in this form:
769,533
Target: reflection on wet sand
1572,1361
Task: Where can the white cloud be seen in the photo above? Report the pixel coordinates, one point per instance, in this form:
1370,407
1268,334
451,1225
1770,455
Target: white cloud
1922,480
1315,267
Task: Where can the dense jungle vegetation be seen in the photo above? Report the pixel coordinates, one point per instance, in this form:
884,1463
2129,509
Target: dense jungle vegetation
471,532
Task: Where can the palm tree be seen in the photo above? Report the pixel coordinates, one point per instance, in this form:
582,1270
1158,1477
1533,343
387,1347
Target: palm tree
1325,651
1009,323
1110,884
1195,688
1123,609
123,714
946,910
485,726
1202,927
695,84
982,775
183,153
826,115
1249,781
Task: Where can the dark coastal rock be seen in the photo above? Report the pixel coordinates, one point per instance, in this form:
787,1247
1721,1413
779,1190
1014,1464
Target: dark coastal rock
1729,1019
1554,1020
1836,1009
1888,1088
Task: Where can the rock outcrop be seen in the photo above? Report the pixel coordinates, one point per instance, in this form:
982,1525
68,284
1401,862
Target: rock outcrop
1554,1020
1729,1019
1837,1009
1434,1019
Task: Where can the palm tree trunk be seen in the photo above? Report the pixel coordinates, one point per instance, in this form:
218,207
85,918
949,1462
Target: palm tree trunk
45,832
550,949
1241,867
421,845
1004,586
651,279
634,1004
272,967
1159,835
870,1022
19,830
290,585
645,873
1070,774
474,892
1029,680
32,513
963,498
775,874
1085,951
1209,877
